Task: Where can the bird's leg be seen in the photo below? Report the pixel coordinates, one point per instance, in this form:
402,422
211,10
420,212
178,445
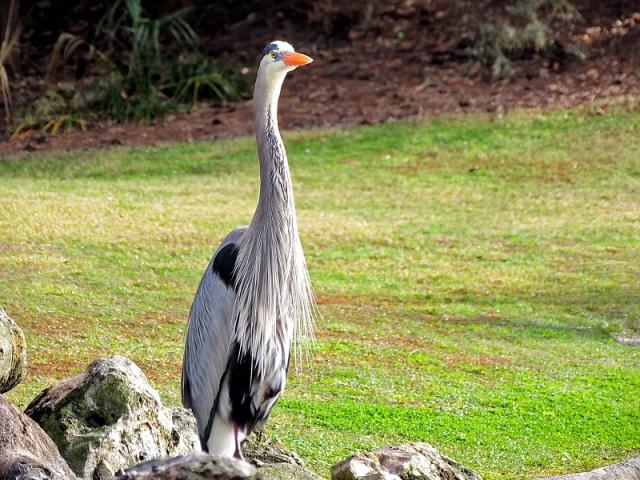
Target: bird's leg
238,453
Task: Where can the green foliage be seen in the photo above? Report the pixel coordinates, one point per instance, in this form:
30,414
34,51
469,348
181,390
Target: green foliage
60,108
122,100
194,77
471,273
126,26
506,32
149,66
150,80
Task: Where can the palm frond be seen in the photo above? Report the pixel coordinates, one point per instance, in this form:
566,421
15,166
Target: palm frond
64,48
9,42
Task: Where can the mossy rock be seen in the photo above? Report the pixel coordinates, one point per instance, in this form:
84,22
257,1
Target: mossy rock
109,418
287,471
13,353
197,466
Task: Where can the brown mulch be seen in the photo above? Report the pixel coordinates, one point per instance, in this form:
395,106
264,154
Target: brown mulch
372,80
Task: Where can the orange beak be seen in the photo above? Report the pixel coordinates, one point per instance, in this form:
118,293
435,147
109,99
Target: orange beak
295,59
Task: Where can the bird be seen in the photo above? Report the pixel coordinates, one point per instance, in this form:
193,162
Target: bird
255,301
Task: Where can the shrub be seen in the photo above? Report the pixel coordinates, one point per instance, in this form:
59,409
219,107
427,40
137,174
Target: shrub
148,81
501,33
141,67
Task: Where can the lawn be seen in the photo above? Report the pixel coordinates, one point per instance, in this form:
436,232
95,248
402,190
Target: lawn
472,273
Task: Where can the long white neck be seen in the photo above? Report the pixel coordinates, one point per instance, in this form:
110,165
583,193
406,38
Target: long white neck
275,181
266,93
274,299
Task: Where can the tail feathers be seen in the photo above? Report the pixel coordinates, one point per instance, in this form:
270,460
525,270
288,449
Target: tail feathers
221,440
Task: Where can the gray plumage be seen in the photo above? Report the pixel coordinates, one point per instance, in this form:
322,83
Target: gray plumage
255,296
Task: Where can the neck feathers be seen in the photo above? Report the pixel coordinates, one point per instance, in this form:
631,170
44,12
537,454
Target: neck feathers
274,300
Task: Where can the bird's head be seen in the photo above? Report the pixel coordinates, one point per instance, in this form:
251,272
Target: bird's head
279,58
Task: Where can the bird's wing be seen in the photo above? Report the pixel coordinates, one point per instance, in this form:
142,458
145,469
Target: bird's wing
209,334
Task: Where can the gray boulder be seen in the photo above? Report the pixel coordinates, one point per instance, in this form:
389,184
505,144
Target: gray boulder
261,451
26,452
631,340
627,470
201,466
109,418
274,461
408,461
287,471
13,353
197,466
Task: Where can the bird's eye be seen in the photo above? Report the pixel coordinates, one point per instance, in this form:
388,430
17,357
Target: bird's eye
273,54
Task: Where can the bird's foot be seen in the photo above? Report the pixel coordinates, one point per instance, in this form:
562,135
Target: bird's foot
238,453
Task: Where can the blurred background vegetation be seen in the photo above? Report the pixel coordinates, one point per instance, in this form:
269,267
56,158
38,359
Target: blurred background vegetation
64,61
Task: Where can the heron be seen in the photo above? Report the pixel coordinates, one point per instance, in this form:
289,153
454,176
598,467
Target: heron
254,301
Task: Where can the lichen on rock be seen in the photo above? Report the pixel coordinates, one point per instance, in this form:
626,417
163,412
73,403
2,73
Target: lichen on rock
287,471
109,418
197,466
274,461
407,461
260,450
13,353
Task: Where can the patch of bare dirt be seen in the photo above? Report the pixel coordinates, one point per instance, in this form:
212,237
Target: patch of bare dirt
62,368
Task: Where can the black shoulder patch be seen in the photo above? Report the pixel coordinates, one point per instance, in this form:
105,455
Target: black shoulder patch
270,47
224,264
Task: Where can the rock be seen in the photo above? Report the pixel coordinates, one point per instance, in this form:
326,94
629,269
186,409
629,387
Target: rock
197,466
627,470
592,74
26,452
260,451
200,466
109,418
13,353
274,461
408,461
631,340
287,471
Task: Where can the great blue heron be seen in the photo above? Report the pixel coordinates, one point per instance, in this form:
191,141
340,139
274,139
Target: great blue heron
255,296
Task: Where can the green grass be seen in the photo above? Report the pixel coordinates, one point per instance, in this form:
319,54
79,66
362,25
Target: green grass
471,273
